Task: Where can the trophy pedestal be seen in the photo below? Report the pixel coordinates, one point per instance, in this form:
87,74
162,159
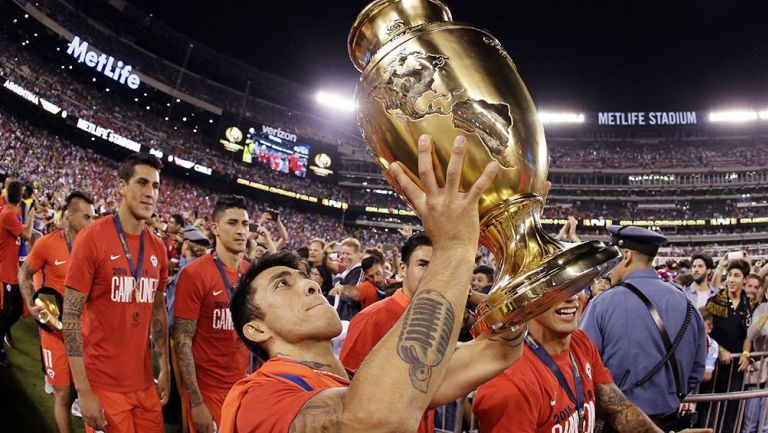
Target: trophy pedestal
536,272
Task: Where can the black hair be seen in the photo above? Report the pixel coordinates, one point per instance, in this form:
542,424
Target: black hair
708,263
303,252
228,202
370,262
416,240
375,252
14,192
327,279
128,167
178,219
741,265
485,270
77,195
29,190
242,306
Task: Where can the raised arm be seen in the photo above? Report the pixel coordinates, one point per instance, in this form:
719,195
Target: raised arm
93,413
406,368
283,241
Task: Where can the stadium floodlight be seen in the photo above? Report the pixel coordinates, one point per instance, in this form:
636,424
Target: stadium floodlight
336,101
733,116
546,117
763,115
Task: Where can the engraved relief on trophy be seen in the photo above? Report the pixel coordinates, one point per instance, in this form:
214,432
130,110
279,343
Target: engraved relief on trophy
395,26
492,123
406,87
411,89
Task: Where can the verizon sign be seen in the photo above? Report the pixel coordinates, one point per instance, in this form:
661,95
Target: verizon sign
107,65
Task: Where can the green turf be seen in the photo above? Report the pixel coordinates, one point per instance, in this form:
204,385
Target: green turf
25,405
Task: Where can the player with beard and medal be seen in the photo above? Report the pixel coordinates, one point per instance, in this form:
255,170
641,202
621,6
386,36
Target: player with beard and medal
49,258
283,317
211,357
118,270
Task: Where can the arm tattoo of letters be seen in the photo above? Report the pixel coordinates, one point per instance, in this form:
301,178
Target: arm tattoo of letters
184,331
73,309
616,410
321,414
425,335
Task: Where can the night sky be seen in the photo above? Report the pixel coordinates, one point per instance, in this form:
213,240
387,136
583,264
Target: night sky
573,55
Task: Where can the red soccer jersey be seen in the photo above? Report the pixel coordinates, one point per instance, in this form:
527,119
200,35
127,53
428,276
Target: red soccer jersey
527,397
367,328
271,397
170,248
10,230
49,258
369,295
221,359
116,317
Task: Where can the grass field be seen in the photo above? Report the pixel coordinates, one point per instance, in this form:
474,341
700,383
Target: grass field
26,408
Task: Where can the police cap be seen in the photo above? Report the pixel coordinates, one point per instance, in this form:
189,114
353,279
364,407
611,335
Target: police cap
637,239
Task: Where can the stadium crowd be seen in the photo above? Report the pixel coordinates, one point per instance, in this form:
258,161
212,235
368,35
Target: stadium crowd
358,275
276,319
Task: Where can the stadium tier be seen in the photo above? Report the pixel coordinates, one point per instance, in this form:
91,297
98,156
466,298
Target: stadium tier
274,260
676,171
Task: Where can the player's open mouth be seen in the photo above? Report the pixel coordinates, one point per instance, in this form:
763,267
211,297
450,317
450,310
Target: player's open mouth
567,312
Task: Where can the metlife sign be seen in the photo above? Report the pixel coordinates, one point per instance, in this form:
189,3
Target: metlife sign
642,118
107,65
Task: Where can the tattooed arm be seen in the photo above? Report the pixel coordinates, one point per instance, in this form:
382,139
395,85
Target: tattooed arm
74,301
26,287
616,410
160,343
425,337
183,332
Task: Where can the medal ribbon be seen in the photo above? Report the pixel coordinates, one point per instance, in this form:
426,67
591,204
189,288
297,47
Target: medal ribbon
578,398
135,271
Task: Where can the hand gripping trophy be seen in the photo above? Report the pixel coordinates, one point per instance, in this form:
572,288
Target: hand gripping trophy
423,73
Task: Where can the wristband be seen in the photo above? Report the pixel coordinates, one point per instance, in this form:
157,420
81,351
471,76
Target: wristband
745,353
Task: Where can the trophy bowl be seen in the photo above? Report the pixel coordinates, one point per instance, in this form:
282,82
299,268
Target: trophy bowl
423,73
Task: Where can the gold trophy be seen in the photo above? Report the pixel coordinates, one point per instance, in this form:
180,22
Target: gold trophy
423,73
50,315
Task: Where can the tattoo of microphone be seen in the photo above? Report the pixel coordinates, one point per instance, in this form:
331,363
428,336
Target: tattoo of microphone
425,335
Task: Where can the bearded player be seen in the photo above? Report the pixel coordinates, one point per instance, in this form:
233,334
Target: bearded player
118,271
49,257
210,354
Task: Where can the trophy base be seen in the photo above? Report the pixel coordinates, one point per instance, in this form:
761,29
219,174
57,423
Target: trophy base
522,292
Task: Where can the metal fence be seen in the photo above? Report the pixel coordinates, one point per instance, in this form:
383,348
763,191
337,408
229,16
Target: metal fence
729,402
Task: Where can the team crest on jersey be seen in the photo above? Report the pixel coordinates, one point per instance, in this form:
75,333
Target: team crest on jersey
51,373
153,259
588,370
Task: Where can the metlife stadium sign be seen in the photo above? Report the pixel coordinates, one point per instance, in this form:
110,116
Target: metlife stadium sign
107,65
642,118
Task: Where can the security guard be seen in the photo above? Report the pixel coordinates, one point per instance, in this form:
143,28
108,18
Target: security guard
625,322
